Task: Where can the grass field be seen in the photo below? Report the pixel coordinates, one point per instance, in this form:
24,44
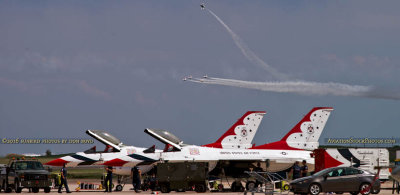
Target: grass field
74,173
42,159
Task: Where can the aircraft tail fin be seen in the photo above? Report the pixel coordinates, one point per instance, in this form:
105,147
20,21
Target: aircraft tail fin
241,134
305,134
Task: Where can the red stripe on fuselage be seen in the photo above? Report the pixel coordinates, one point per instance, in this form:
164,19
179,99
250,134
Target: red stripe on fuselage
57,162
115,162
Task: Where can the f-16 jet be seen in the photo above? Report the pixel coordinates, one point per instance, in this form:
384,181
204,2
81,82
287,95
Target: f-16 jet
296,145
248,124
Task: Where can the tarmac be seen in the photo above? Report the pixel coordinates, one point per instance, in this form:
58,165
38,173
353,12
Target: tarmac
127,190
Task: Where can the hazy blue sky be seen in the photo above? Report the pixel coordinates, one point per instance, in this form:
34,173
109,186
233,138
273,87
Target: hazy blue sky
68,66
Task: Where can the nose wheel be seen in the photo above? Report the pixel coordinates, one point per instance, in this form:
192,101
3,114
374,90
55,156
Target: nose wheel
119,188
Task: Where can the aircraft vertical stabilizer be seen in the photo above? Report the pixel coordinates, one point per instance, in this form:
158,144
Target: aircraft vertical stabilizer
305,135
241,134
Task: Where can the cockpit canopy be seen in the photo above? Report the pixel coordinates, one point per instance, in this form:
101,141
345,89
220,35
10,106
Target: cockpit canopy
106,138
165,137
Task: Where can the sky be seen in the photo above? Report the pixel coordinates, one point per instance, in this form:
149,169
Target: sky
69,66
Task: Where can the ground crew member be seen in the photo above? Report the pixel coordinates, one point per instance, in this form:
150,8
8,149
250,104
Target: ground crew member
63,173
258,169
108,180
296,170
304,169
136,180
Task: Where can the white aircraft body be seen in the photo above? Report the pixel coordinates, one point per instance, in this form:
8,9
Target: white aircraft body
116,149
295,146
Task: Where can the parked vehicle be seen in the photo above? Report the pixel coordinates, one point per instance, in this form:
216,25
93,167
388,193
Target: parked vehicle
19,174
182,176
338,180
364,158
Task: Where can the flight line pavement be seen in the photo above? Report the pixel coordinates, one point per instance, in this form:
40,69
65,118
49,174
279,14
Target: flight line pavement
54,192
72,183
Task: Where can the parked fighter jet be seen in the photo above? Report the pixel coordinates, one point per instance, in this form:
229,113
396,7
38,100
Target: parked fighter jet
115,148
294,146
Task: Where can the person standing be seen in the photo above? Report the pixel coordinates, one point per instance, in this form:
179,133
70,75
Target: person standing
258,169
108,180
64,182
296,170
136,180
304,169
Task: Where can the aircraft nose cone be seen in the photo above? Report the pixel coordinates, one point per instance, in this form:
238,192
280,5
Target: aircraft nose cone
57,162
115,162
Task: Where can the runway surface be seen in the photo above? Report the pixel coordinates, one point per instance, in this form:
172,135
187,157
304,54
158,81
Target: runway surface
127,190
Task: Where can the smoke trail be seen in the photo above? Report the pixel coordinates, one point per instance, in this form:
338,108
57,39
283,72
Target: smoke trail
306,88
250,55
287,85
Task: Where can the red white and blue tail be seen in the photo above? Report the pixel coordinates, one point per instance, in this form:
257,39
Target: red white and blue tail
305,135
241,134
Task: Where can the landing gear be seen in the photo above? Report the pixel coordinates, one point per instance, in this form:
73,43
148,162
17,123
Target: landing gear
250,186
119,188
121,183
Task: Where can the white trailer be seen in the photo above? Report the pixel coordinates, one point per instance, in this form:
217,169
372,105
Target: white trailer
363,158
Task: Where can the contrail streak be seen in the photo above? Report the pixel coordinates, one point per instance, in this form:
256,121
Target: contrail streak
287,85
305,88
250,55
